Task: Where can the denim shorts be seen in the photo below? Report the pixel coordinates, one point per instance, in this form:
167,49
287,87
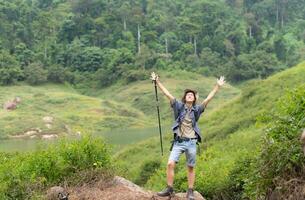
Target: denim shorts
189,147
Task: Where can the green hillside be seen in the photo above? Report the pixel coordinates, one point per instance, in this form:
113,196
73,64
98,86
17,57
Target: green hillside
69,109
82,67
230,134
141,95
128,106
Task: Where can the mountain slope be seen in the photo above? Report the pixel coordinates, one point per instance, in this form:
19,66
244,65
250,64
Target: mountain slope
230,134
141,95
71,111
127,106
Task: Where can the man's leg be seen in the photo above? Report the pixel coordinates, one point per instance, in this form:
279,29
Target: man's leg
191,160
170,172
191,176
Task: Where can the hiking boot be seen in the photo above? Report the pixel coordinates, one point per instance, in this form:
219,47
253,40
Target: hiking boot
168,191
190,194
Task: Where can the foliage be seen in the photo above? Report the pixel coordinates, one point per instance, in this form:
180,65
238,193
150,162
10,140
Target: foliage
234,38
35,74
231,141
23,174
281,150
10,70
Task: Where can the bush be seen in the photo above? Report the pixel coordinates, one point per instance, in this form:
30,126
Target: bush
59,74
23,174
147,170
35,74
281,151
255,65
10,70
135,75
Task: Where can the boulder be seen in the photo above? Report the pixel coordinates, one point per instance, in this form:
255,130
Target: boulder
57,193
49,136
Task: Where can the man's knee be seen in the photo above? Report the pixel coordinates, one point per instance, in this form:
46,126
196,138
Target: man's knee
190,168
171,164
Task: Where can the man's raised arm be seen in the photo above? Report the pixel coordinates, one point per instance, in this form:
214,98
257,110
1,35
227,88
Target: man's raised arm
220,82
155,77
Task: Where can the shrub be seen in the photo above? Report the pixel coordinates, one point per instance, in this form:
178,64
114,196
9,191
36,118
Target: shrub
35,74
147,170
59,74
23,174
281,151
10,70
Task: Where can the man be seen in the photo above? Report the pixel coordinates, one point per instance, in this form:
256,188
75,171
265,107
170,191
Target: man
186,132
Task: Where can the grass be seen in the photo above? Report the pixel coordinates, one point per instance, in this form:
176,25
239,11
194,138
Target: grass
131,106
230,134
69,108
141,95
229,124
25,175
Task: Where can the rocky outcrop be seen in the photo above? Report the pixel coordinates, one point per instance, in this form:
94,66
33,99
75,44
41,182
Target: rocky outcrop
57,193
12,104
119,189
48,120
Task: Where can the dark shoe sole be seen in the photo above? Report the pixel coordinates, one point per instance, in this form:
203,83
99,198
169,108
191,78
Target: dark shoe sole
168,195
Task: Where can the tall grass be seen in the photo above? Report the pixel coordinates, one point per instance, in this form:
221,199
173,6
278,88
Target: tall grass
23,175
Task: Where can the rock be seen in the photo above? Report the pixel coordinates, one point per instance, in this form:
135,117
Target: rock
48,137
122,181
48,119
49,126
38,130
30,133
33,131
17,100
12,105
197,195
57,193
119,189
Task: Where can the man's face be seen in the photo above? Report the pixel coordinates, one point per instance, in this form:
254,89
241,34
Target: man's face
189,98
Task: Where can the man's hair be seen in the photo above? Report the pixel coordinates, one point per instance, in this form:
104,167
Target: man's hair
187,91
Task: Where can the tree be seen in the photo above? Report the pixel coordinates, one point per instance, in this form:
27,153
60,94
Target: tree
35,74
256,65
127,41
23,54
10,70
59,74
44,4
211,60
67,31
144,56
184,50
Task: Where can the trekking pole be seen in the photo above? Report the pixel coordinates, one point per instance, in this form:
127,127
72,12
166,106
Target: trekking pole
158,111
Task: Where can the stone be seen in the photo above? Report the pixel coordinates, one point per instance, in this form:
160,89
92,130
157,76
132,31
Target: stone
57,193
48,119
48,137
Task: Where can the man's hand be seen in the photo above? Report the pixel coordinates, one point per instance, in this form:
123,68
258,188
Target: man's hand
221,81
154,76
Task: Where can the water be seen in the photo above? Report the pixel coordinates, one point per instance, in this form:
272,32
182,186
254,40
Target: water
117,138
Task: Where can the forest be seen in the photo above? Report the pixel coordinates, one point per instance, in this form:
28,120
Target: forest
95,43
